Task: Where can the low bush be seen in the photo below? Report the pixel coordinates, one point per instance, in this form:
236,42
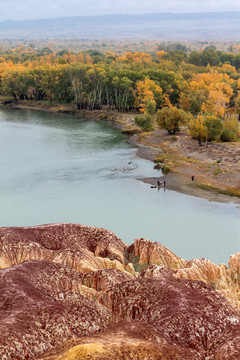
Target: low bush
229,135
145,122
165,169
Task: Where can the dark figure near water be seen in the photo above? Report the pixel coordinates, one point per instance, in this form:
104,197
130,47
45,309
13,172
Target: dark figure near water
193,178
159,183
164,183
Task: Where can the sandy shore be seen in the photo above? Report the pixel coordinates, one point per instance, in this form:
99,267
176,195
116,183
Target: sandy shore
179,183
176,182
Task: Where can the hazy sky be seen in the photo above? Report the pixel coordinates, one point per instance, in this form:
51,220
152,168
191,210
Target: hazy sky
35,9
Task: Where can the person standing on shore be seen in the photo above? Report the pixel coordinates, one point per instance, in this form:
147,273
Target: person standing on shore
164,183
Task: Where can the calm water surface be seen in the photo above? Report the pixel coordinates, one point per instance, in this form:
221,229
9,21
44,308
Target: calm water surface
60,168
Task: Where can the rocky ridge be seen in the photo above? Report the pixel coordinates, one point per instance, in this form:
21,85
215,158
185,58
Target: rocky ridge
70,291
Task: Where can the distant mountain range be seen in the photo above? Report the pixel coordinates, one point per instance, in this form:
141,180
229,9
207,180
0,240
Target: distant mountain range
169,26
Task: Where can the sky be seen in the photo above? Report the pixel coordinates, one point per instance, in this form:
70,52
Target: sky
41,9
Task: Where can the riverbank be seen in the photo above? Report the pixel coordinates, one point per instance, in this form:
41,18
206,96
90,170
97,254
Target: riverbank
124,122
216,177
215,169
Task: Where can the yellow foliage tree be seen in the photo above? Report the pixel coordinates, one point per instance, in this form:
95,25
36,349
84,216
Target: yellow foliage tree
216,91
198,129
147,91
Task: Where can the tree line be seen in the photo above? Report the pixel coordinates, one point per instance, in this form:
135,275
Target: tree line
202,86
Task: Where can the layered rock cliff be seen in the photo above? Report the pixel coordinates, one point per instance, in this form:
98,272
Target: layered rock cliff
76,292
84,248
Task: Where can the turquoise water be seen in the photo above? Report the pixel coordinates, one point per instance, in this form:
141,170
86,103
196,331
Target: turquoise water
61,168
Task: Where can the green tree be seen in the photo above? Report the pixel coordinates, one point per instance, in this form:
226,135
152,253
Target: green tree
214,126
230,130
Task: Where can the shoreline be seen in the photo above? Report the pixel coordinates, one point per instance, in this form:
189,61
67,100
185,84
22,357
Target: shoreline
124,122
177,182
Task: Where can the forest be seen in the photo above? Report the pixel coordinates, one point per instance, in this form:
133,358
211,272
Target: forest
169,85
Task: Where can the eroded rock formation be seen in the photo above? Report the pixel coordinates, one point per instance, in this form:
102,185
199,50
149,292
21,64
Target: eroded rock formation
84,248
155,253
162,318
76,292
42,305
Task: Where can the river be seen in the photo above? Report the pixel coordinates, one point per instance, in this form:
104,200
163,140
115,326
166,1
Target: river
61,168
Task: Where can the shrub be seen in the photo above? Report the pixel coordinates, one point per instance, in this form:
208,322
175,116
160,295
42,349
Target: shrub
158,166
229,136
165,169
145,122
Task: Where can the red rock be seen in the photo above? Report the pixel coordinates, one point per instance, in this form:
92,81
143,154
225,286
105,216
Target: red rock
101,279
41,307
161,318
184,312
78,246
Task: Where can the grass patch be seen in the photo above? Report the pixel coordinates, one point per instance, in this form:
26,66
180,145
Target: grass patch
129,130
218,171
102,117
228,192
171,161
131,258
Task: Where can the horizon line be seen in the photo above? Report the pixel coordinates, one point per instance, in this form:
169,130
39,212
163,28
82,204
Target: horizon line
127,14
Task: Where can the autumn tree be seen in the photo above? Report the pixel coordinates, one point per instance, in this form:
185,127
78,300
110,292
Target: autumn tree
213,91
198,129
55,82
147,91
206,128
170,118
16,82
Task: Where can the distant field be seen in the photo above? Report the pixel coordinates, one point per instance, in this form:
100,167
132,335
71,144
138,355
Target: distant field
197,26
